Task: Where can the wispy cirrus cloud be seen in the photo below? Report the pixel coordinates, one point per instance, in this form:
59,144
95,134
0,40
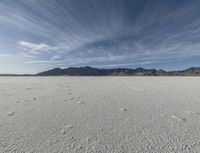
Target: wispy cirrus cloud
5,55
34,48
96,33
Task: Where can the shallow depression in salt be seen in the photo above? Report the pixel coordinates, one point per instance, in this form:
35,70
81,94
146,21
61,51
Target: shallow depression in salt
99,114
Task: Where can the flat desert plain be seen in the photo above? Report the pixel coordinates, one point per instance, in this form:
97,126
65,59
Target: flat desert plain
99,114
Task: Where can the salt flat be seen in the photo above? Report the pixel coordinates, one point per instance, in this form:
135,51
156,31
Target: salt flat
99,114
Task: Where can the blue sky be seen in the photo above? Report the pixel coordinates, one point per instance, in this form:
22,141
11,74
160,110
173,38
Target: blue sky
37,35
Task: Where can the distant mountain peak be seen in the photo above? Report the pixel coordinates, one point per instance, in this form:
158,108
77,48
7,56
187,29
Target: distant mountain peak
90,71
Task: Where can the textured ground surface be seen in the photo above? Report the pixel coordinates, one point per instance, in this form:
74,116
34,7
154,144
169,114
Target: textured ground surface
99,114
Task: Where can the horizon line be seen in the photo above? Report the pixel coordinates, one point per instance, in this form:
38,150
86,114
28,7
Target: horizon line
32,74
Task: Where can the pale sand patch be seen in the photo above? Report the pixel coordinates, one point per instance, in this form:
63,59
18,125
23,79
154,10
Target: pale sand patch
162,115
123,109
11,113
80,103
187,113
71,98
178,118
66,128
137,89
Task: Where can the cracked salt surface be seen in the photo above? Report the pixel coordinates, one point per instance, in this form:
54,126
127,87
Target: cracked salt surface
120,114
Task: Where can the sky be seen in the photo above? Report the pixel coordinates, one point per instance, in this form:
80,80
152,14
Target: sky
37,35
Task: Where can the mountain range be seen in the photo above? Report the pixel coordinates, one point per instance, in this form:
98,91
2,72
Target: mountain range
90,71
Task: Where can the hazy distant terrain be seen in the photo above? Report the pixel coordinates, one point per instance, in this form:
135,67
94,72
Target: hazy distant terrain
99,114
90,71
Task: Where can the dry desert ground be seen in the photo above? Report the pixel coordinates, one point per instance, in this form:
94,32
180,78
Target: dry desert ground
99,114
